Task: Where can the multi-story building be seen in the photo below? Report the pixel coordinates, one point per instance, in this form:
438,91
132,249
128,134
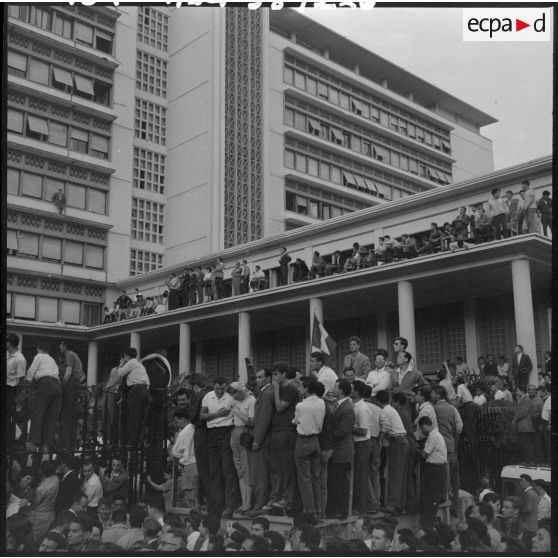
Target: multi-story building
284,123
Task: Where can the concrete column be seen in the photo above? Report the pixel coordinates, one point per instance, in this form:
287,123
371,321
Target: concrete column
523,306
308,332
92,357
382,333
471,337
406,306
135,342
184,349
244,345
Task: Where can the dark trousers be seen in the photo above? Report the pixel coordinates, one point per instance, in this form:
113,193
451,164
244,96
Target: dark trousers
522,380
46,408
137,406
528,446
432,492
185,296
452,479
374,486
192,296
69,414
499,225
259,472
200,294
202,459
361,476
283,275
396,469
546,222
338,487
307,460
283,470
245,284
174,299
223,481
409,482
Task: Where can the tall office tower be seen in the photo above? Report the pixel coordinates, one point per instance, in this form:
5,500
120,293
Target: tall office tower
275,122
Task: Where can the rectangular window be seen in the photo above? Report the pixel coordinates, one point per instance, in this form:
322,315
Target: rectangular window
289,159
314,127
394,122
47,309
101,92
337,136
356,144
153,27
75,196
335,174
365,148
436,141
15,121
411,130
343,100
311,86
28,244
94,256
371,185
324,170
41,18
91,313
17,63
356,106
37,128
57,134
80,140
374,114
290,201
420,135
288,117
103,42
24,307
384,120
446,147
413,166
62,26
39,71
300,122
360,182
62,79
96,200
13,181
428,138
301,205
288,75
83,86
300,162
336,211
52,248
31,185
322,90
70,311
300,81
394,159
312,166
333,96
99,146
8,304
73,252
348,179
83,33
326,211
404,162
314,209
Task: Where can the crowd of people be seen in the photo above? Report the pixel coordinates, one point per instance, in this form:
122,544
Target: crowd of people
296,445
501,216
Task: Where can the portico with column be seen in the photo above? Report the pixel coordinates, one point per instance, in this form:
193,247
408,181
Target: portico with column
184,348
92,362
244,345
523,310
135,342
406,311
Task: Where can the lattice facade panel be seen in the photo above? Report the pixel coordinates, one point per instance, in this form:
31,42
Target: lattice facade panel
243,126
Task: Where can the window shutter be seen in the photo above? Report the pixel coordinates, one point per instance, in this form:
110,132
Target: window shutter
83,33
15,121
94,256
80,135
70,311
17,61
37,125
52,248
99,143
63,76
29,244
58,134
24,306
48,309
84,84
73,252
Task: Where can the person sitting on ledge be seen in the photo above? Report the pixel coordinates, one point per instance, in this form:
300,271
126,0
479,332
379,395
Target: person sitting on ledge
408,246
300,270
318,266
336,265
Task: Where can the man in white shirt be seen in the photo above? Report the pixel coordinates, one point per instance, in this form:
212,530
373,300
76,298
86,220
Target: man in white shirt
323,374
309,419
15,370
425,409
434,479
361,439
373,489
137,397
544,508
183,452
44,374
394,436
91,487
379,378
216,411
497,391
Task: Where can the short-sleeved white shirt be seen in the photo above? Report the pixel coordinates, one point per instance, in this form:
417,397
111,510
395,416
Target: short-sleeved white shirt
436,448
213,405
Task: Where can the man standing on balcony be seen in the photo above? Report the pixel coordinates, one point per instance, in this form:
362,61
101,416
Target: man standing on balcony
245,278
497,211
544,211
217,284
72,380
529,206
513,216
284,267
138,398
521,367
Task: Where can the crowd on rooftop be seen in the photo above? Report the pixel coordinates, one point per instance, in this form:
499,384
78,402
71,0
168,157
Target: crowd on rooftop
290,445
501,216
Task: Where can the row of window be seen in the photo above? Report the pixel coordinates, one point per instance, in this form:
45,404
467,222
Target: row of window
149,170
49,309
312,207
147,220
142,261
58,78
387,118
151,74
311,125
63,26
332,173
26,184
150,122
153,28
70,137
51,249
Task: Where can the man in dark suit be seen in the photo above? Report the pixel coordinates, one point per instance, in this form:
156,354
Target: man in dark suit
528,507
70,485
521,367
259,457
339,466
336,265
284,260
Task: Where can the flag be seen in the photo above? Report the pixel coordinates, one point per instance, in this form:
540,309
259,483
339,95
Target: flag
321,341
